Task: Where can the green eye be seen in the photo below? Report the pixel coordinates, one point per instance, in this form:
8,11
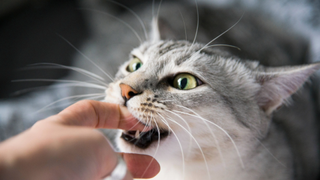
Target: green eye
185,81
134,65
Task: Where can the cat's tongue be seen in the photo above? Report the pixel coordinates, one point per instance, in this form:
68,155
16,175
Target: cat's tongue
129,122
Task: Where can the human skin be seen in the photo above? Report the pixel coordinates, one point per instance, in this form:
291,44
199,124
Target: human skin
67,146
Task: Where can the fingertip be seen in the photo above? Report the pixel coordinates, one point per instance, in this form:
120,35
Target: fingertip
129,122
142,166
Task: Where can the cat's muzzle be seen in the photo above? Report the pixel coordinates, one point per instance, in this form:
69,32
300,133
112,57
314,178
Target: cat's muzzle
144,139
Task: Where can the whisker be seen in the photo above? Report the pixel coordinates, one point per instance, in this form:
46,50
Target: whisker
198,21
181,119
166,100
190,139
56,86
224,131
202,153
86,57
19,92
224,45
181,149
139,121
66,104
184,25
87,84
153,8
271,153
79,70
212,134
84,84
135,14
118,19
143,128
159,8
149,116
205,46
70,97
158,12
158,145
134,125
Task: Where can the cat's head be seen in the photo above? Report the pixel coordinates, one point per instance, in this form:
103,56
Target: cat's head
199,101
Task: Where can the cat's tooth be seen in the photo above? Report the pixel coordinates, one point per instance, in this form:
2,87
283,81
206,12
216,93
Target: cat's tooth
137,135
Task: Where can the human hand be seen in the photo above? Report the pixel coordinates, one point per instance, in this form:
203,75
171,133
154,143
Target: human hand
67,146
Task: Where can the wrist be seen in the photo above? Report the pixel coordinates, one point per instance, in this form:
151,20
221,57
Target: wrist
17,158
9,160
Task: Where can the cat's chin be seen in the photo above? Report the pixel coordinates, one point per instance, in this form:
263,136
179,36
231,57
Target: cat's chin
144,139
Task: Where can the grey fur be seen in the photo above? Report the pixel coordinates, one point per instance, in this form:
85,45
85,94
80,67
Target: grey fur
233,84
290,136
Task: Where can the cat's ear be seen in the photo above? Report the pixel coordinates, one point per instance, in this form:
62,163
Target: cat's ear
162,30
155,33
278,84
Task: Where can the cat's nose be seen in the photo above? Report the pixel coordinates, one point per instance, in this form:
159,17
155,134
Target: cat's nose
127,91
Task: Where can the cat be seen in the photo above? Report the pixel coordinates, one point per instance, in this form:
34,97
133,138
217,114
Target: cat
229,122
210,109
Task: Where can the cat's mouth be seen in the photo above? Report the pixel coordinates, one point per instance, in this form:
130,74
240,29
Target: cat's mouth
144,139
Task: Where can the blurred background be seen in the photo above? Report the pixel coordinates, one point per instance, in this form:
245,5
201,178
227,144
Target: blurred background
29,33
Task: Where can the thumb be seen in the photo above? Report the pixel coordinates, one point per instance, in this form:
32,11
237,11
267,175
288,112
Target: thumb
141,166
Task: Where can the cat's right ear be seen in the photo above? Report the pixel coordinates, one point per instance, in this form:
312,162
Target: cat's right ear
162,30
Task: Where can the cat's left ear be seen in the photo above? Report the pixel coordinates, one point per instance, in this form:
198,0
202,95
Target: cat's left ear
278,84
162,30
155,32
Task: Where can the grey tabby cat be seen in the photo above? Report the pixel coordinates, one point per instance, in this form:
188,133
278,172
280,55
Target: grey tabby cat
210,107
214,109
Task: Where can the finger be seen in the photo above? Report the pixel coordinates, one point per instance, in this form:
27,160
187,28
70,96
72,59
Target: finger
98,114
141,166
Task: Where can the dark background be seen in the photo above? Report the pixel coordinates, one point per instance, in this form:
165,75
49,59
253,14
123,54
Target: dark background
29,33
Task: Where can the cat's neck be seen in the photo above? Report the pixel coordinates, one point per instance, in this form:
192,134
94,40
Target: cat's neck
266,159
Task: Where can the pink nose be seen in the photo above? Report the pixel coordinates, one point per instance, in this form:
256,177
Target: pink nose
127,91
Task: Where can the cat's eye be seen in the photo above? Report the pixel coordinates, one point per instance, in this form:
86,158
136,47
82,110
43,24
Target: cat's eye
134,64
185,81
